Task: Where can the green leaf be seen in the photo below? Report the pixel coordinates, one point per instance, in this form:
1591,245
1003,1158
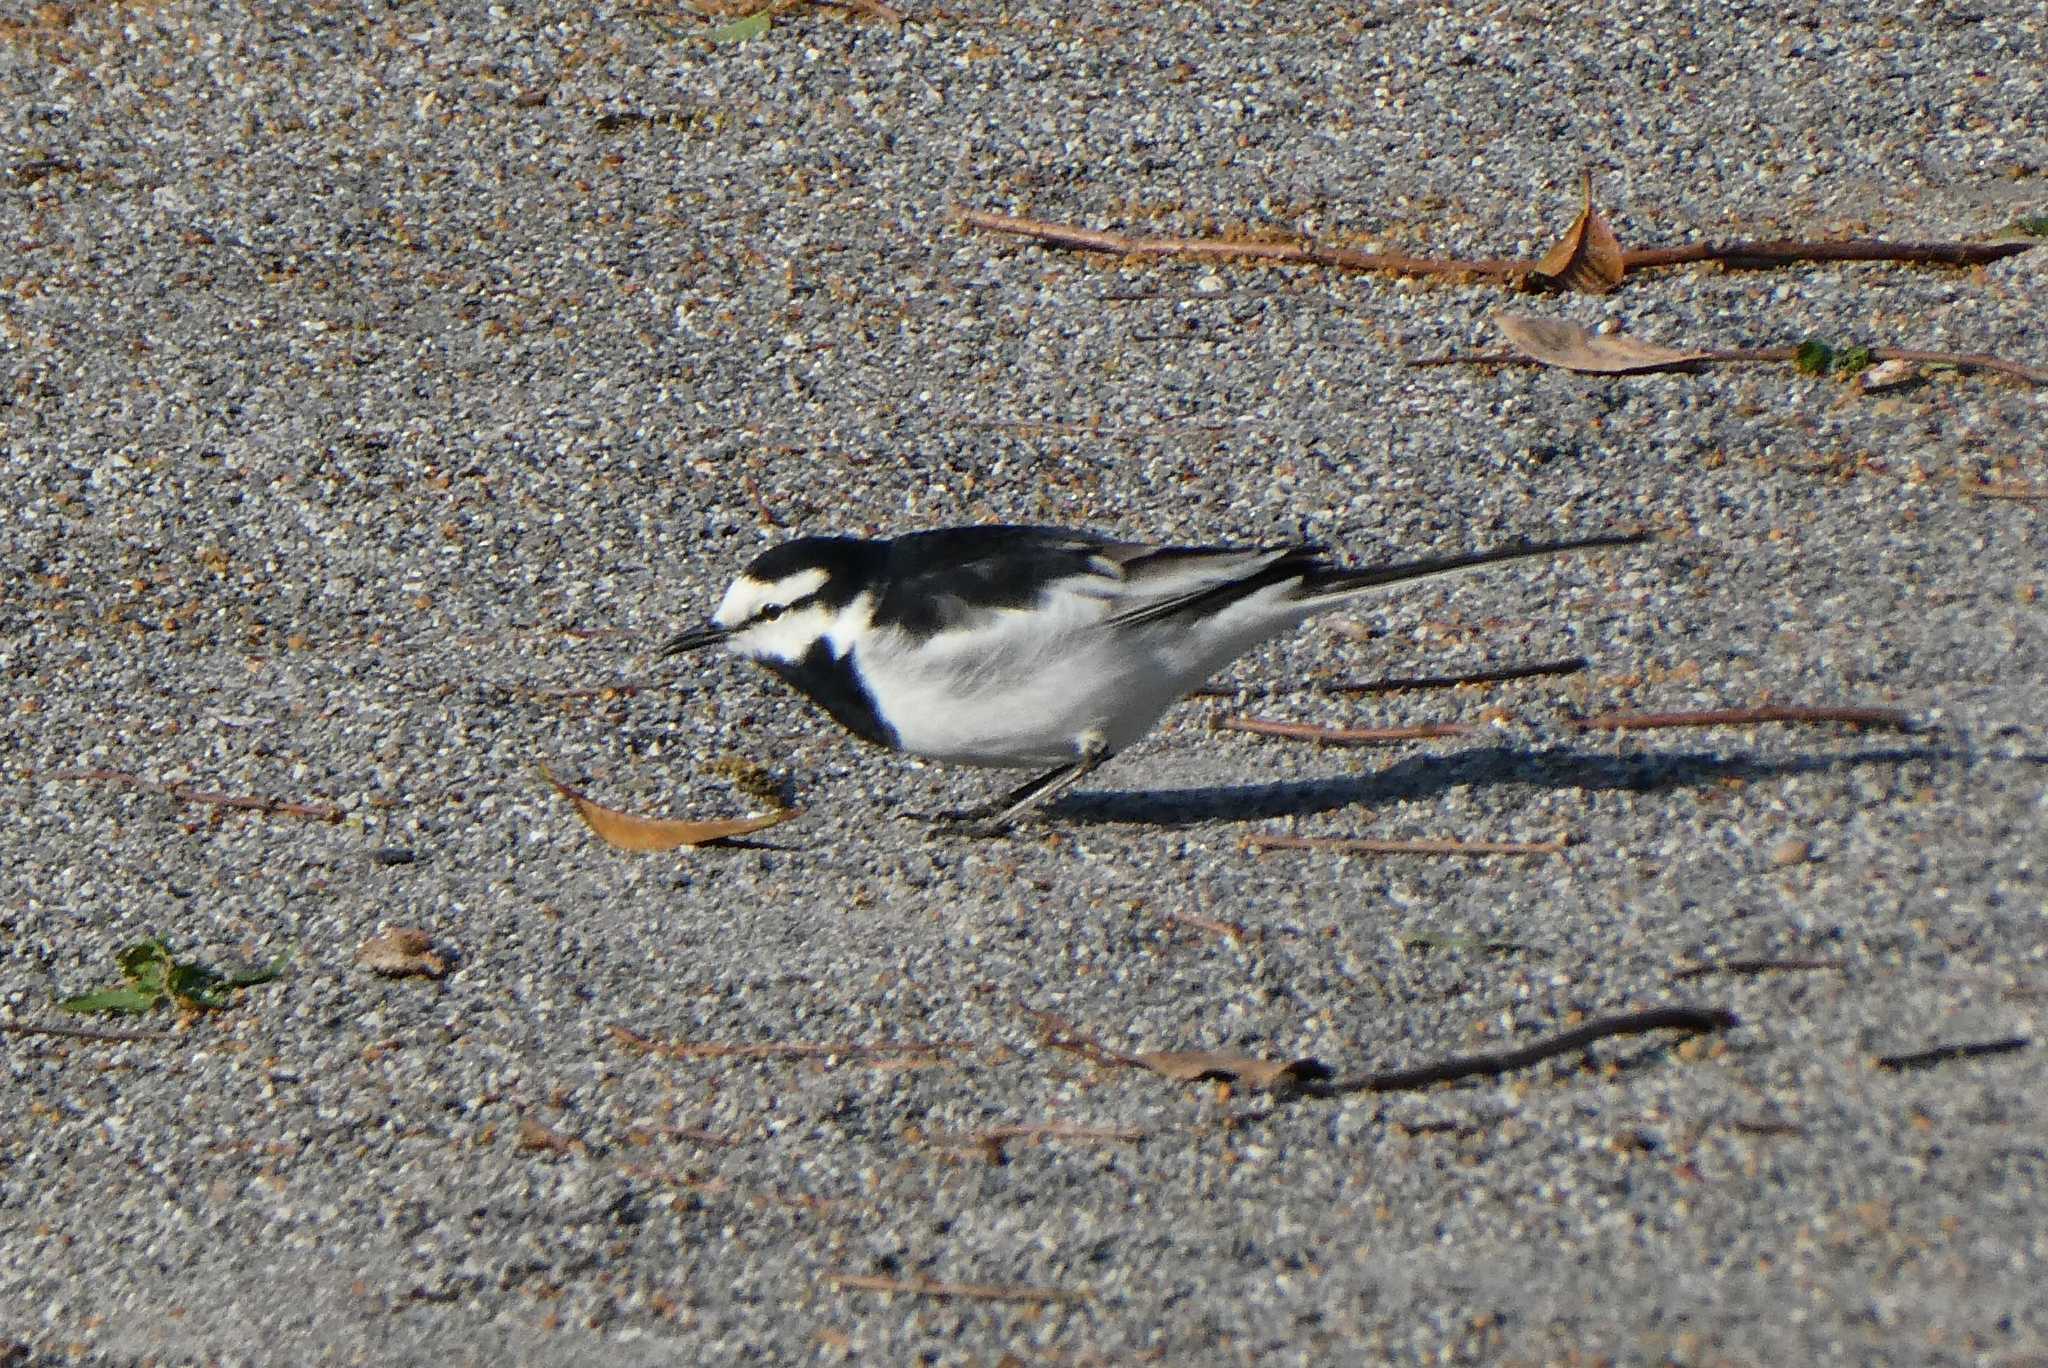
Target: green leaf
132,1000
1813,357
145,963
1853,359
198,986
2033,225
741,30
261,973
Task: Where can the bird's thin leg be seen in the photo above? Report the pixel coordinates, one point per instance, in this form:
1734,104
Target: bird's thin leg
996,817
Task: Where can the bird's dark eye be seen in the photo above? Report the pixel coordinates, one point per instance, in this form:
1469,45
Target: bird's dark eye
770,612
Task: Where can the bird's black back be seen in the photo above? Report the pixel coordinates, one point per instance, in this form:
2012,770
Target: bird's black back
951,575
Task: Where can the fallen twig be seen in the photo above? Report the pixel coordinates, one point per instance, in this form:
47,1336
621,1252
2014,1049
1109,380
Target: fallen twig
1312,1078
1963,361
1398,683
1943,1054
1307,254
80,1032
2004,489
1754,966
1366,845
1344,736
283,807
1689,1019
995,1142
683,1049
1200,923
1519,274
1897,718
1056,1032
929,1287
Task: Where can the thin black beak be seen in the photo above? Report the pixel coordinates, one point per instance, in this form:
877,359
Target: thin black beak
696,639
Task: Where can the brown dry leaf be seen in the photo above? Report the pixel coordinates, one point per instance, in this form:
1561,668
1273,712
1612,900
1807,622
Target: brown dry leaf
1587,258
1556,343
534,1136
627,832
401,952
1193,1066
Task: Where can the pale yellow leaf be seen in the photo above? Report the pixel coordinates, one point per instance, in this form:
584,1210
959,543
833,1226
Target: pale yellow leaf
1557,343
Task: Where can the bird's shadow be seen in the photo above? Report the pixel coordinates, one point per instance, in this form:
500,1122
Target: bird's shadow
1421,777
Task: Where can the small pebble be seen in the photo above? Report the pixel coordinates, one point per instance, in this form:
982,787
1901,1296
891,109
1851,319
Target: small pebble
1791,851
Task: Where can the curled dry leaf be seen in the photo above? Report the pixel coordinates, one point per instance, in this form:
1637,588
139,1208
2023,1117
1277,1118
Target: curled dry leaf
1887,375
1194,1066
1587,259
1566,345
401,952
628,832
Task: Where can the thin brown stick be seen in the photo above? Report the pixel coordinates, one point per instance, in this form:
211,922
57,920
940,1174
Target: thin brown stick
1058,1130
1200,923
873,8
80,1032
1056,1032
1963,361
282,807
1688,1019
1737,255
2005,489
1756,256
683,1049
994,1143
1754,966
1943,1054
1344,736
1399,683
1747,717
930,1287
1365,845
1297,253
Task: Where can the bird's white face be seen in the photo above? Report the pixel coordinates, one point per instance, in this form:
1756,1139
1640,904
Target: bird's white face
776,619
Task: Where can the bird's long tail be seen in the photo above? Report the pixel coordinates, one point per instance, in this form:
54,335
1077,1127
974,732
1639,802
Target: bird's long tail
1342,582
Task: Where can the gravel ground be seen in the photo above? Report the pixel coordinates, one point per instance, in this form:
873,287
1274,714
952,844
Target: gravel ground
382,382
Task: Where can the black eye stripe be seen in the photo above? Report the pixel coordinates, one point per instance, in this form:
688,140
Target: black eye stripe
768,612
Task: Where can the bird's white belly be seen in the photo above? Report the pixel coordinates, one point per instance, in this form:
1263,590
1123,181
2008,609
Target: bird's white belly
1019,701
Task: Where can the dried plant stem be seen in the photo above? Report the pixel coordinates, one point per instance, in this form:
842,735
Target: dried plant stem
930,1287
1366,845
2005,489
1965,361
282,807
1345,736
1689,1019
853,1049
1755,966
1944,1054
80,1033
1398,684
1897,718
1738,255
1298,253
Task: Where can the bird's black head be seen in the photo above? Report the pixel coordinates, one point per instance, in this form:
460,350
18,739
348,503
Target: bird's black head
788,599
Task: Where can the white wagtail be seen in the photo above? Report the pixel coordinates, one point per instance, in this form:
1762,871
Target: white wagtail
1026,646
